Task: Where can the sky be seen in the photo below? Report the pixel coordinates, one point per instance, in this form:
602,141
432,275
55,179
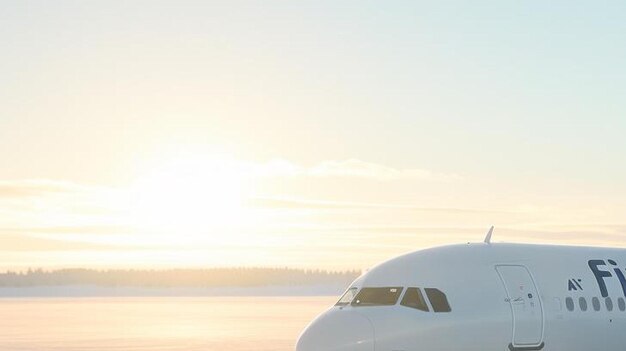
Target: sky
315,134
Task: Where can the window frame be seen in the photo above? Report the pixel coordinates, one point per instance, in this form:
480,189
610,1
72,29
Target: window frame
434,294
339,303
364,290
569,304
595,302
421,299
608,303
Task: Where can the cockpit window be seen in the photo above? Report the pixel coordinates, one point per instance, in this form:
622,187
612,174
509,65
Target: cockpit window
413,298
377,296
347,297
438,300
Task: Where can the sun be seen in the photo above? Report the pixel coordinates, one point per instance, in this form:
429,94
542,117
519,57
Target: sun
196,194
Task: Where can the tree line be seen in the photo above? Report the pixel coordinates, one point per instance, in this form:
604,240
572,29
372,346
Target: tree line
212,277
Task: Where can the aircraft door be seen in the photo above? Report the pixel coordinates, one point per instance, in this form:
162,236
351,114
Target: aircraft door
526,307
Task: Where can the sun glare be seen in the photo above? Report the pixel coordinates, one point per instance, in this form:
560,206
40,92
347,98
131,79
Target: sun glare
198,194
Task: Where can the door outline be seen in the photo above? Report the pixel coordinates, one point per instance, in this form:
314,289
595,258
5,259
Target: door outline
540,344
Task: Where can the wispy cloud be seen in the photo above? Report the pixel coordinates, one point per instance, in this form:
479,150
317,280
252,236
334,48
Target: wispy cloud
362,169
332,206
293,203
354,168
36,187
79,229
21,242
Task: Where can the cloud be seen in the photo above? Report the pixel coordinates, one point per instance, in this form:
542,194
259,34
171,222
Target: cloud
31,207
79,229
36,187
295,204
350,168
361,169
282,203
292,203
20,243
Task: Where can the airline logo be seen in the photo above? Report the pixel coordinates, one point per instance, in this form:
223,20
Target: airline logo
574,285
608,269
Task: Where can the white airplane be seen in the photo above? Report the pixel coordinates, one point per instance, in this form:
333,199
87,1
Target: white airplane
481,297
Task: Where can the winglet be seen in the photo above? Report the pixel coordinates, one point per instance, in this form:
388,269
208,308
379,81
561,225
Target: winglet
488,237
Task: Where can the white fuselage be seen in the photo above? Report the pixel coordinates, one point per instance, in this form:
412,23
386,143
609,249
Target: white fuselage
500,297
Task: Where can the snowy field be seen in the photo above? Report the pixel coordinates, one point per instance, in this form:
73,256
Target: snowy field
242,323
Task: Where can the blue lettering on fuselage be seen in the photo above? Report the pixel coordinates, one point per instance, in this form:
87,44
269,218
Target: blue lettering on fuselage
601,271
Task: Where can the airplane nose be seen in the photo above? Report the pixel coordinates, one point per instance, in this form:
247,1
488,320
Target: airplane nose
338,330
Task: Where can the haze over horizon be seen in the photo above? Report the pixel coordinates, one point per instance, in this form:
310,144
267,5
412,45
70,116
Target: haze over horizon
310,134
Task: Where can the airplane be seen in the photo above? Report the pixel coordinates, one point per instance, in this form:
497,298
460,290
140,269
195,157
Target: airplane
481,297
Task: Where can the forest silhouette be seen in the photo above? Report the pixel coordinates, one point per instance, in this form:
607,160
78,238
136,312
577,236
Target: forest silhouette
213,277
